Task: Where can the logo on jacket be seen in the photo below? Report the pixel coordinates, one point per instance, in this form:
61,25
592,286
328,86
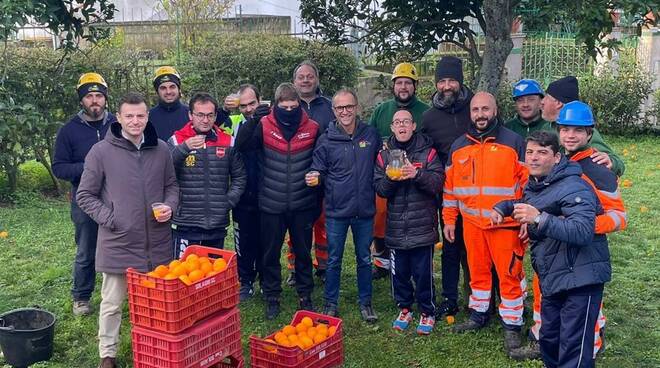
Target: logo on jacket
274,134
417,165
190,161
363,144
493,148
304,135
220,152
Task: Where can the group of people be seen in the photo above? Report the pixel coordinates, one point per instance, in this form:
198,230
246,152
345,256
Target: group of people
309,167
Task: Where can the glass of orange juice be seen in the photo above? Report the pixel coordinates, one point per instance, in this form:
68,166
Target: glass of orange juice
158,209
313,177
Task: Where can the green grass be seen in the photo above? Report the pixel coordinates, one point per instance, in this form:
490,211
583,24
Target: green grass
35,269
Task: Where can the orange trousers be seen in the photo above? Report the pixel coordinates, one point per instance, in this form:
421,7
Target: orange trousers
502,248
380,253
320,246
536,327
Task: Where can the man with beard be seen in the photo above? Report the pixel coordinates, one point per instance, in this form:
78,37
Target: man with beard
74,140
404,88
319,109
527,95
563,91
448,119
170,114
485,167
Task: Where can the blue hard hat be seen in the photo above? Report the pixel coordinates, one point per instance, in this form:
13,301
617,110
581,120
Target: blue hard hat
526,87
576,113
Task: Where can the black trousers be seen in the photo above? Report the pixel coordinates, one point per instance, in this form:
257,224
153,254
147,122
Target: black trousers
452,257
299,224
413,265
84,273
247,241
568,320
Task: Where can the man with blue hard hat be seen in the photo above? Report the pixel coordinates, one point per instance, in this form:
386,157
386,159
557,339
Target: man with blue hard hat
527,95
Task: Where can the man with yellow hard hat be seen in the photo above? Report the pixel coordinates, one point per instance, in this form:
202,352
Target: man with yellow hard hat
404,87
170,114
73,142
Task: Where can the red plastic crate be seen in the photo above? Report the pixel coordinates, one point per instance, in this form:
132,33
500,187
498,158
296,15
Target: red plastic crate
213,342
172,306
329,353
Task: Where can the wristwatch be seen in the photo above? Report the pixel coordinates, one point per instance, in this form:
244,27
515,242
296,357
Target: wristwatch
537,219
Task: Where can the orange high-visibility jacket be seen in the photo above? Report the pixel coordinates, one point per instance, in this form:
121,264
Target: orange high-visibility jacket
604,182
480,172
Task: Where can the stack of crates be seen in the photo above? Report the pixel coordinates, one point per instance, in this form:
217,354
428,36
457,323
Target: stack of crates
175,325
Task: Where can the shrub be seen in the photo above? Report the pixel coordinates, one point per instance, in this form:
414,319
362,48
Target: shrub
33,176
224,62
616,98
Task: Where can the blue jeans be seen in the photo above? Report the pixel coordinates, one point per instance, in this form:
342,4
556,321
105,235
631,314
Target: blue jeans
337,229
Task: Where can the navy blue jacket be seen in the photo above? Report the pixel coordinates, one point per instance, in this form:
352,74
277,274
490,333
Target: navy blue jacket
73,142
566,254
346,164
319,110
168,118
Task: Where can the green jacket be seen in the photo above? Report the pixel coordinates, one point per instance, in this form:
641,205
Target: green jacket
597,142
381,118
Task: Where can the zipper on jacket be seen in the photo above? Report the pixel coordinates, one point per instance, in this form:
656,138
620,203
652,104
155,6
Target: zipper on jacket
146,214
206,185
288,174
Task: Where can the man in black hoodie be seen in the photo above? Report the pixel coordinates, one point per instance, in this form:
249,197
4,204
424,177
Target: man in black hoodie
170,114
447,119
285,141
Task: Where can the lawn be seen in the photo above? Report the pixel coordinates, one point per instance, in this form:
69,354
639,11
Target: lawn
36,270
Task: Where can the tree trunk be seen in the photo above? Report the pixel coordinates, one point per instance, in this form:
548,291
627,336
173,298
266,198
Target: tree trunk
498,16
41,158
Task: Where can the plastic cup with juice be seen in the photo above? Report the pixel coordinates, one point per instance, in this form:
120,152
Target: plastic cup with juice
314,178
158,209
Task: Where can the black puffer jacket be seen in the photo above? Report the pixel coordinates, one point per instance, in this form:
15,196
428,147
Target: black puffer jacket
446,123
412,214
211,180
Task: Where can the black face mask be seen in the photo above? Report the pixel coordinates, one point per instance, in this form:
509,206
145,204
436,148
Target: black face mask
286,117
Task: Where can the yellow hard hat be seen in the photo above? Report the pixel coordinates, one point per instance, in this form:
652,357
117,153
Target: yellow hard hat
166,74
91,78
405,70
166,70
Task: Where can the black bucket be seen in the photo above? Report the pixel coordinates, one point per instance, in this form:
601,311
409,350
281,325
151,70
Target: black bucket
26,336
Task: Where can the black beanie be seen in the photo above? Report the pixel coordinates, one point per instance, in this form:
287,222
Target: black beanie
91,87
565,89
449,67
167,78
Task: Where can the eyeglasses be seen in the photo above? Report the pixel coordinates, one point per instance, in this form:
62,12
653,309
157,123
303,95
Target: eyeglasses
347,108
201,116
404,122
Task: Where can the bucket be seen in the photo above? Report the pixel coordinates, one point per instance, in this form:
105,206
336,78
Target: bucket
26,336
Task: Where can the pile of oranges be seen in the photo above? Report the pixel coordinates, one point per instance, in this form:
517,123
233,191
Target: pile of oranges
194,268
303,335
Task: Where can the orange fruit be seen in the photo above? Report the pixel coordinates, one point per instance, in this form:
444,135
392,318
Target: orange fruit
204,260
293,338
152,274
306,341
174,264
185,280
318,338
191,265
170,276
196,275
180,270
322,328
332,330
162,270
148,283
212,273
300,345
281,336
192,256
205,267
269,347
289,330
450,320
301,327
311,332
219,265
307,321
